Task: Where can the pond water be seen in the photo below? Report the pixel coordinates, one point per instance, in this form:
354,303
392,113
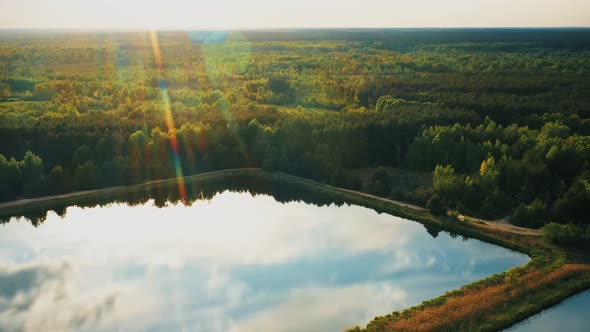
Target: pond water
571,316
232,262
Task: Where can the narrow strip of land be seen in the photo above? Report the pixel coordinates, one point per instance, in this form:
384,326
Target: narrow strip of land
115,189
501,225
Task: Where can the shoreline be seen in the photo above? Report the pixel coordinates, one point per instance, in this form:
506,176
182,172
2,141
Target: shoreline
495,224
496,302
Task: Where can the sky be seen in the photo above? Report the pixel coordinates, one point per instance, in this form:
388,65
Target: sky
256,14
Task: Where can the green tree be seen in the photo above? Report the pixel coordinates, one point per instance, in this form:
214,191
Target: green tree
381,182
436,206
572,207
82,154
10,178
534,215
58,181
489,172
85,177
446,184
565,234
32,171
4,91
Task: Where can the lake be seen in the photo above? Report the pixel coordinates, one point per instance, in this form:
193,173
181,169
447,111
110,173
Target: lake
234,261
571,315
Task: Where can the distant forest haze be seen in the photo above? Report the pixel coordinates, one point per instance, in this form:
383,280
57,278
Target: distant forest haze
501,117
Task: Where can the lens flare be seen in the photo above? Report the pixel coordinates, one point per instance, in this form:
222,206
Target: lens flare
168,114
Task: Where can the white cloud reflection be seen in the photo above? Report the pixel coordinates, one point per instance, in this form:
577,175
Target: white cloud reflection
56,296
326,309
236,262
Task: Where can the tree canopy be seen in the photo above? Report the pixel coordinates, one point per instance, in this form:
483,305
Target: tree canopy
501,119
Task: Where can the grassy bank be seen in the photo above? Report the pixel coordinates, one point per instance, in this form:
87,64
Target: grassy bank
490,304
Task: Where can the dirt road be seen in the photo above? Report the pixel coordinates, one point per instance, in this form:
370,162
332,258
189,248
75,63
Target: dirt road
501,225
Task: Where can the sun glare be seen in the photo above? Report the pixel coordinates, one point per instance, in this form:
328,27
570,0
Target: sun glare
168,113
235,14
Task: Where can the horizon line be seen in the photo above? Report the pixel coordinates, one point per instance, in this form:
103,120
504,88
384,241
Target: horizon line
147,29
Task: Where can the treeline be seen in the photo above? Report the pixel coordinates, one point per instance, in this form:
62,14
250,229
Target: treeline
491,170
103,152
501,117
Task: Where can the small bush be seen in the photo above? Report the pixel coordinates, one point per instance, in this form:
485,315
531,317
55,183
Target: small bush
565,234
533,215
398,195
436,206
460,208
420,196
454,215
512,275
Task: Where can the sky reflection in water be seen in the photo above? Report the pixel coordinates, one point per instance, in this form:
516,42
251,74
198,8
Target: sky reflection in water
234,263
571,315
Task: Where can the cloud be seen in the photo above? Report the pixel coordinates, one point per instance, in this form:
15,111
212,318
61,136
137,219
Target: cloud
53,296
232,228
326,309
235,261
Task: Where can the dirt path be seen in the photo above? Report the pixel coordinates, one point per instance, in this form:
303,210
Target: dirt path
47,198
406,205
501,225
115,189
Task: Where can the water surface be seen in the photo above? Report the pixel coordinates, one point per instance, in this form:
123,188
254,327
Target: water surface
571,316
234,262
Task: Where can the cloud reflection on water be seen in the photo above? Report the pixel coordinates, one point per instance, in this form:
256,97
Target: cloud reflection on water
233,263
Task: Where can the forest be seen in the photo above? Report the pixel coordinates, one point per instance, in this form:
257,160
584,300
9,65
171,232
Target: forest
501,117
